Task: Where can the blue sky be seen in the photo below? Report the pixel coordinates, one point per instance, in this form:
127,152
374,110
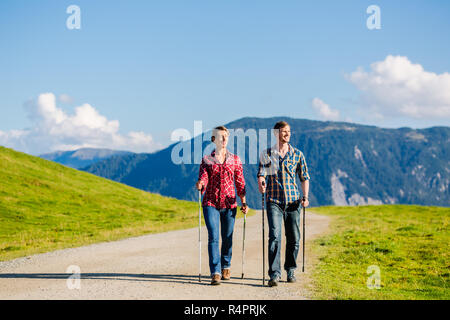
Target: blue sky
155,66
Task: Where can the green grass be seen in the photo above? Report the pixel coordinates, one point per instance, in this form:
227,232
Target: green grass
45,206
409,245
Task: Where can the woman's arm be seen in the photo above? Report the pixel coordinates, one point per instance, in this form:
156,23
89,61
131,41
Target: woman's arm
240,183
202,177
239,177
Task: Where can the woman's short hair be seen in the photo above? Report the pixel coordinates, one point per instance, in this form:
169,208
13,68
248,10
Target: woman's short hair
219,128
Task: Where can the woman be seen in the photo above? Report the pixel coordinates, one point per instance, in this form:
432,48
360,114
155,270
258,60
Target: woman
219,171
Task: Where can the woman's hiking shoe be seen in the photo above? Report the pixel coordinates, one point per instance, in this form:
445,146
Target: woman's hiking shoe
215,279
226,274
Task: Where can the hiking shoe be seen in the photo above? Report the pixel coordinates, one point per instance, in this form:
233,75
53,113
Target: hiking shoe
273,282
291,277
226,274
215,279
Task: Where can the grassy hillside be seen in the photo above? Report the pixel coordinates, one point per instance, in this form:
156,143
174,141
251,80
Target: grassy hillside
410,246
46,206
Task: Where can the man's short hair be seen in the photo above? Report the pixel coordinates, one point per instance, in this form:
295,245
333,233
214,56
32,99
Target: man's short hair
219,128
280,125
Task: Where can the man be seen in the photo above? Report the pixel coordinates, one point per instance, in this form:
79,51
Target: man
278,168
219,172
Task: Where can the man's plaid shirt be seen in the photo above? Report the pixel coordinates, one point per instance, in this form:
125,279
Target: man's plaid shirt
280,173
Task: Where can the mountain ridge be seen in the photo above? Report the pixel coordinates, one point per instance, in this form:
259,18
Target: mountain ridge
349,164
82,157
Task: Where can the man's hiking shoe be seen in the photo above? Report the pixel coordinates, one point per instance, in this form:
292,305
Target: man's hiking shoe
215,279
291,277
226,274
273,282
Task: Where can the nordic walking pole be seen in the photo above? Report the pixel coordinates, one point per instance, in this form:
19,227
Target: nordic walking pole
243,247
200,236
303,267
264,263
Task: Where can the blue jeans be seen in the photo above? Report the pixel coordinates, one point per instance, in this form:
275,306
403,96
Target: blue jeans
290,214
223,218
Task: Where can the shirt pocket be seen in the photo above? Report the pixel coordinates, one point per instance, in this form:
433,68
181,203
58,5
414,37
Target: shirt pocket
291,166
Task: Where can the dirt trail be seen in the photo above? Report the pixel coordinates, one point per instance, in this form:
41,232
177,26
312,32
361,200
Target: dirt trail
157,266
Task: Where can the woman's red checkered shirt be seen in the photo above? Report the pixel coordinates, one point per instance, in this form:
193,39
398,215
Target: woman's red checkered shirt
219,180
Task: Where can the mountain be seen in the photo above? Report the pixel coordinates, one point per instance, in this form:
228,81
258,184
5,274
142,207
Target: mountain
82,157
349,164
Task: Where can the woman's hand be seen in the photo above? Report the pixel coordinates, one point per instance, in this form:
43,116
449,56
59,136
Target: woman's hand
199,185
244,208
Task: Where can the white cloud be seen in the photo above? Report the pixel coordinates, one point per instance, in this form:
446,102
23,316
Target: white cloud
396,87
53,129
324,110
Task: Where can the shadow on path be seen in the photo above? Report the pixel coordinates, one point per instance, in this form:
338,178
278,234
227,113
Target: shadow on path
184,279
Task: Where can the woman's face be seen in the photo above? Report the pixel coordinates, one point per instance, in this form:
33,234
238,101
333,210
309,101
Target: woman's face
221,139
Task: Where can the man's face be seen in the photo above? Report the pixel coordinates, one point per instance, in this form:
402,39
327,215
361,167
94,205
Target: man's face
284,134
221,139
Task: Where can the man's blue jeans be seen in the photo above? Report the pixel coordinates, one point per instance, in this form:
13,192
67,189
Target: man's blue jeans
290,214
223,219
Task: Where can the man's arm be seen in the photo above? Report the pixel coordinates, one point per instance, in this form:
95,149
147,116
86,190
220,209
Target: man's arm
262,172
305,188
303,174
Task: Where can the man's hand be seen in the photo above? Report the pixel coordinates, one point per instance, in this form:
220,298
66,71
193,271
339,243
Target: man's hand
262,184
305,202
199,185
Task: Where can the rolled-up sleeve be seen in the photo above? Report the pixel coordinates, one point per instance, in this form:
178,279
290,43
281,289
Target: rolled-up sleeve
239,177
263,161
302,169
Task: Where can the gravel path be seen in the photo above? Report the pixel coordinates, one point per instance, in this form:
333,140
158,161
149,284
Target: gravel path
157,266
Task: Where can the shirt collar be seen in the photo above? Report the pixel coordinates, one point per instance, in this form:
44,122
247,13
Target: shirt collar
213,153
227,154
274,149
